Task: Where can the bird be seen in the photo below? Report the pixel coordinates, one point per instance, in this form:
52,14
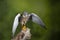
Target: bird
23,18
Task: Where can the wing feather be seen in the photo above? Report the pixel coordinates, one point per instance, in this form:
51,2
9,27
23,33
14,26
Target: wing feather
37,20
15,23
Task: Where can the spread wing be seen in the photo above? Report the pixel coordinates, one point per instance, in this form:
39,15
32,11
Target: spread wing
37,20
15,23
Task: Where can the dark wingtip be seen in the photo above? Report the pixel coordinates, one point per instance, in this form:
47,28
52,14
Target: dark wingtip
45,27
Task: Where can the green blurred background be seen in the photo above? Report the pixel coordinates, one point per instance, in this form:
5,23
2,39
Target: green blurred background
48,10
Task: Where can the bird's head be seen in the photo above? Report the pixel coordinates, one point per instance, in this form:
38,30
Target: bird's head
24,17
25,14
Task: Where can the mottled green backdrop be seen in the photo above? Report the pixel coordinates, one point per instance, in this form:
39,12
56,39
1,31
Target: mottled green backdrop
48,10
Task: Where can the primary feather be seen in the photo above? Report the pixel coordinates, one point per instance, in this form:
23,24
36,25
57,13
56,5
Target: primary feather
37,20
15,23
